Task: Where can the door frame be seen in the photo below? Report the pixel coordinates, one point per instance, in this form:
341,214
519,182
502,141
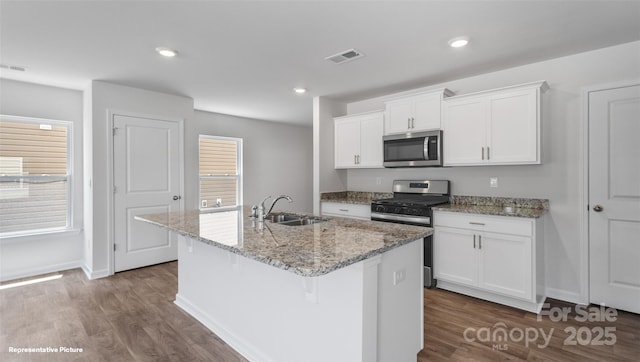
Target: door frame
583,169
111,113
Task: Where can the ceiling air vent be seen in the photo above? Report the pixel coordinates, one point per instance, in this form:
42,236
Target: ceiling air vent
13,67
345,56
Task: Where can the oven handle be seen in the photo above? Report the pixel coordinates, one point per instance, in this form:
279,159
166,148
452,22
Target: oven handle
425,220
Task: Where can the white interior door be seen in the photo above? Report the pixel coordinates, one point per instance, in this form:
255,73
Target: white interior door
614,197
146,161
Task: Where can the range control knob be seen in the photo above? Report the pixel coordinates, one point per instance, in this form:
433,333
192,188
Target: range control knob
380,208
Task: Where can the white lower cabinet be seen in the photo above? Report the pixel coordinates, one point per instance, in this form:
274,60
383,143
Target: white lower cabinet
496,258
354,211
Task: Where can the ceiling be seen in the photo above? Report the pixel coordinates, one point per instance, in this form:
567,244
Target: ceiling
244,58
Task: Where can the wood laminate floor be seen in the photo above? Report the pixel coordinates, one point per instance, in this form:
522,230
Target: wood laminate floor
131,317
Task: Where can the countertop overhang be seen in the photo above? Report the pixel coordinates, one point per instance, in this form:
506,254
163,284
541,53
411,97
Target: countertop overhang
309,250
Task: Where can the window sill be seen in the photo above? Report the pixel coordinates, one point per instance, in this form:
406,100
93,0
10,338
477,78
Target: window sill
10,239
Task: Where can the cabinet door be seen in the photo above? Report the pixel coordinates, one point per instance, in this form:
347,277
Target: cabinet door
454,257
371,142
427,112
347,142
513,128
505,265
362,212
397,117
464,132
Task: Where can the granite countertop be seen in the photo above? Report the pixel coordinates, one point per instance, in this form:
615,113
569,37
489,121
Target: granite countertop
310,250
354,197
500,206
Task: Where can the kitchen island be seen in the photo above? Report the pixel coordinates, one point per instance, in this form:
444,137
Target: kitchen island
337,290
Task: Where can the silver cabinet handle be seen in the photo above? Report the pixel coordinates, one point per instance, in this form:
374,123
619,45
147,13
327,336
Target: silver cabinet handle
474,241
479,241
483,153
409,122
176,197
413,125
355,159
476,223
598,208
344,210
488,153
358,159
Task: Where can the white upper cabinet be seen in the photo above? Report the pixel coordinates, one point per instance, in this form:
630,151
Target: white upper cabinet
358,140
498,127
415,113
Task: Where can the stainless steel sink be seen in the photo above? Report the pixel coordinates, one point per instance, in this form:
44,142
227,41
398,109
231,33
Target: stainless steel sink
280,218
294,220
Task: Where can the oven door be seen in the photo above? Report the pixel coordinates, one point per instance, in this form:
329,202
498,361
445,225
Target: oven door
402,219
429,281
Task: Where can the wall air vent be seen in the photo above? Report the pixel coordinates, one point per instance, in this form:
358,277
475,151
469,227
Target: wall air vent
345,56
13,67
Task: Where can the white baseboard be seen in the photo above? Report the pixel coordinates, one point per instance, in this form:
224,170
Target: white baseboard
563,295
533,307
246,350
40,270
95,274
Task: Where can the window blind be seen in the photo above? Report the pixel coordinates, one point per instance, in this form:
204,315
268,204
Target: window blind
34,180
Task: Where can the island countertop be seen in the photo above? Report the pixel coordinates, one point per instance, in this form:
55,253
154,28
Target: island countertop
309,250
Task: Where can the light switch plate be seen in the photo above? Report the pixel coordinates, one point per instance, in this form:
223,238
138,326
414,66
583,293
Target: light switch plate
493,182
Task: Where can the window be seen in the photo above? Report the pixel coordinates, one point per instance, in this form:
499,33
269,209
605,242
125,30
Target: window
35,184
220,172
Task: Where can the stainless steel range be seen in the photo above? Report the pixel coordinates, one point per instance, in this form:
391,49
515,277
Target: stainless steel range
411,204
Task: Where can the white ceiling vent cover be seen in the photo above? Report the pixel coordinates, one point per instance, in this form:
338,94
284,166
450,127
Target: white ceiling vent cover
345,56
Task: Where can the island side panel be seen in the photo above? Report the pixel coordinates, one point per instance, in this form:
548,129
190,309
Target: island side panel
266,313
270,314
401,303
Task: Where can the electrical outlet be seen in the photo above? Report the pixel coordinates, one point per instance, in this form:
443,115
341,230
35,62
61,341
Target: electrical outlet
203,203
493,182
399,276
218,202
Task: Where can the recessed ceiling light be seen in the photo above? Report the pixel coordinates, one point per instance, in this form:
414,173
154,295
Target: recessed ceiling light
459,42
166,52
300,90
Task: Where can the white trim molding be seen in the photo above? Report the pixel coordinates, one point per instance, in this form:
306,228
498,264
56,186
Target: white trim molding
41,270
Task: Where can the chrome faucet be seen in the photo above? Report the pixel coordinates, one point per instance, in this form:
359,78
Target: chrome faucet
261,208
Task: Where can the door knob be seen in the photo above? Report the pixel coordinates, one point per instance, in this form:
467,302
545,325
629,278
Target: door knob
177,197
597,208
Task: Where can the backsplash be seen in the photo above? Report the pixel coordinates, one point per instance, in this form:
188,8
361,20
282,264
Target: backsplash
360,197
500,201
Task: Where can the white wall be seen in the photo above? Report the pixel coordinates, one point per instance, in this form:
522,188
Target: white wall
277,158
107,97
31,255
326,177
558,178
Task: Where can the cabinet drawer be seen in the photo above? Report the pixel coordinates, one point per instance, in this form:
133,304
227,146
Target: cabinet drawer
487,223
346,210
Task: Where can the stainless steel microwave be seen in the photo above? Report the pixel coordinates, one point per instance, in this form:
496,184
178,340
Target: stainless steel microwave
419,149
